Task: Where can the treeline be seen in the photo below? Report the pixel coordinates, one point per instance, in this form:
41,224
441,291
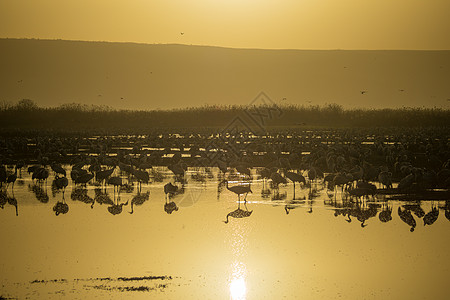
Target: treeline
26,115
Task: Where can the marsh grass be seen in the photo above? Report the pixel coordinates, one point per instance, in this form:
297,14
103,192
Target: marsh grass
26,115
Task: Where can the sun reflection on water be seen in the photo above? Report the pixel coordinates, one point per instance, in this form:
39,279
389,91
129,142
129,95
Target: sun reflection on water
238,287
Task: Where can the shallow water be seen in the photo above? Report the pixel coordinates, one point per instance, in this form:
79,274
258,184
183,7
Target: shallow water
311,252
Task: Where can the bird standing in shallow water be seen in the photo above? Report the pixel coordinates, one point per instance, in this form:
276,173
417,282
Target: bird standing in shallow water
170,189
239,190
11,179
295,177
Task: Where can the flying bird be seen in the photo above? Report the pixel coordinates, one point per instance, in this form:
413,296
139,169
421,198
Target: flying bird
182,33
363,92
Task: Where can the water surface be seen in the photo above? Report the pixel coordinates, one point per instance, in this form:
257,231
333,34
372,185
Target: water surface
311,252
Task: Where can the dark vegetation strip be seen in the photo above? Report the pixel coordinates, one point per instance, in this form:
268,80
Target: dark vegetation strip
131,288
144,278
26,115
163,277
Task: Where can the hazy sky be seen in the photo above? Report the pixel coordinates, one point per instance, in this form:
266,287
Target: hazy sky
296,24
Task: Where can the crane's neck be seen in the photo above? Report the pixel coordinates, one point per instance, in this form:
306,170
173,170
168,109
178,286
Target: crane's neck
226,222
226,181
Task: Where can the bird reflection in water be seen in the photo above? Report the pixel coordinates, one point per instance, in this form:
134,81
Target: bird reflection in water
276,196
431,216
220,186
359,210
416,209
239,213
10,199
3,199
365,212
293,204
116,208
406,216
447,209
139,199
170,207
81,194
39,192
61,207
386,213
101,197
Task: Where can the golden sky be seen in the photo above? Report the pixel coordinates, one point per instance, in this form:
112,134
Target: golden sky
274,24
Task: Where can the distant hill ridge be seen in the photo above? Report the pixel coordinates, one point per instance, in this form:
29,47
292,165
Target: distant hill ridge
143,76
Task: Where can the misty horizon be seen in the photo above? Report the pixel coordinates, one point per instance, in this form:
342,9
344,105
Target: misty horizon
158,76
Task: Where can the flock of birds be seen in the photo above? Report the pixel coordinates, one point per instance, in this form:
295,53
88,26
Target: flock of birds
343,163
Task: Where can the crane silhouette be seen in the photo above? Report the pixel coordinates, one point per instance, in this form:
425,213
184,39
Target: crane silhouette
84,179
61,183
102,176
116,182
385,178
40,174
3,175
295,177
11,179
239,190
170,189
58,169
141,176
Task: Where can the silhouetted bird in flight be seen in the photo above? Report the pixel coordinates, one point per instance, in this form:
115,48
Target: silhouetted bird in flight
182,33
363,92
